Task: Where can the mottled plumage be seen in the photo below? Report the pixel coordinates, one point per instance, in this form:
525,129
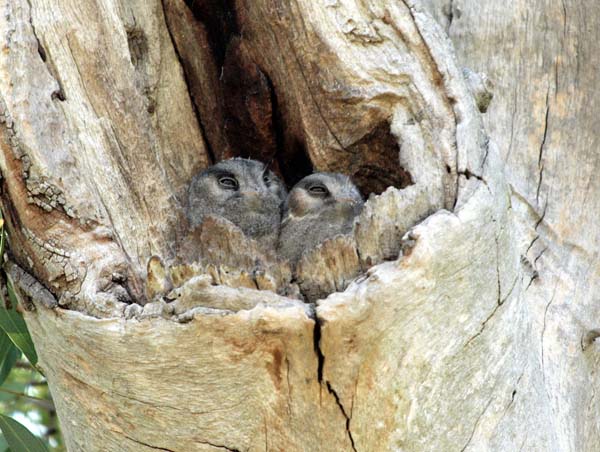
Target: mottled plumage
242,191
318,208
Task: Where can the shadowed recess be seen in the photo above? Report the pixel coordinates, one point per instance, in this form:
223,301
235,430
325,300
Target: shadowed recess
218,16
248,127
376,164
254,124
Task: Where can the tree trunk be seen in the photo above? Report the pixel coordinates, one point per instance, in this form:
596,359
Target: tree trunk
542,58
471,324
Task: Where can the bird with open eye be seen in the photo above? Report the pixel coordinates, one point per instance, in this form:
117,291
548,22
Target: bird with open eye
242,191
319,207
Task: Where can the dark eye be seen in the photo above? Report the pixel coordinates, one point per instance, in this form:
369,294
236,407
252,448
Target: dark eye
267,180
228,182
318,189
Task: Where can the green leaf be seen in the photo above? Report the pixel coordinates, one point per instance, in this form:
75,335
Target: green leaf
18,437
11,295
13,324
2,244
5,347
3,444
8,357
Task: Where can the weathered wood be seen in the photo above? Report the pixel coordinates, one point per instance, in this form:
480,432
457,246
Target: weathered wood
446,340
249,378
191,41
220,249
99,139
328,268
542,59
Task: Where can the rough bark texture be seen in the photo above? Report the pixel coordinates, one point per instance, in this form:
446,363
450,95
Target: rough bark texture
466,320
542,59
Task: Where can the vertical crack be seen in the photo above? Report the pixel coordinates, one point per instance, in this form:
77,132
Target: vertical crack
339,404
564,7
318,352
541,219
499,300
541,253
544,331
513,394
450,15
541,150
58,93
209,150
321,362
266,435
499,303
476,425
535,239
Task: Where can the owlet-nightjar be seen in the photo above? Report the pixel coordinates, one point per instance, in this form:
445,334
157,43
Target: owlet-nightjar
242,191
318,208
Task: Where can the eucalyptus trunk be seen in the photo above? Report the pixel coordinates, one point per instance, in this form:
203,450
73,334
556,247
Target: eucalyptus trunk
471,318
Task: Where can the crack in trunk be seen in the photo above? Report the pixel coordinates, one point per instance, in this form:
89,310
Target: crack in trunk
209,150
542,145
499,303
449,15
208,443
476,425
544,331
218,446
59,93
137,441
321,362
339,404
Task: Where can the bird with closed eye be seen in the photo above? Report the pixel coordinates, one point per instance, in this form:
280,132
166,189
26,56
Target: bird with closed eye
242,191
318,208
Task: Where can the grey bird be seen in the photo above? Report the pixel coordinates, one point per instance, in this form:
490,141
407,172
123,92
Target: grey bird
242,191
318,208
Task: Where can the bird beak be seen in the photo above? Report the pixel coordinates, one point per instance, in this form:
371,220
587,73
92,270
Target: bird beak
253,198
350,201
350,205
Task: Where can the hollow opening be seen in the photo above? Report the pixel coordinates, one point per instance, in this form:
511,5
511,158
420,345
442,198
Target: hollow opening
138,46
219,18
256,125
257,119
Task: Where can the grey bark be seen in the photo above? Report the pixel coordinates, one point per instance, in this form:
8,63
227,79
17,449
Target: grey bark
472,322
542,59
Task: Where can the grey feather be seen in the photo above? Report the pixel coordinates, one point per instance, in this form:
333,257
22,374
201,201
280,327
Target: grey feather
253,202
318,208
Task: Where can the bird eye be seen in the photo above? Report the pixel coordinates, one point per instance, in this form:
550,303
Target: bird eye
319,190
267,180
228,182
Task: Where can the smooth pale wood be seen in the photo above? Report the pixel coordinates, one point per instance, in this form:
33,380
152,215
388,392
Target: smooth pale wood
452,346
542,59
435,343
245,381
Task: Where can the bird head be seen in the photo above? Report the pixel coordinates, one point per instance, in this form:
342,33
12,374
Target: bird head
236,189
324,192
